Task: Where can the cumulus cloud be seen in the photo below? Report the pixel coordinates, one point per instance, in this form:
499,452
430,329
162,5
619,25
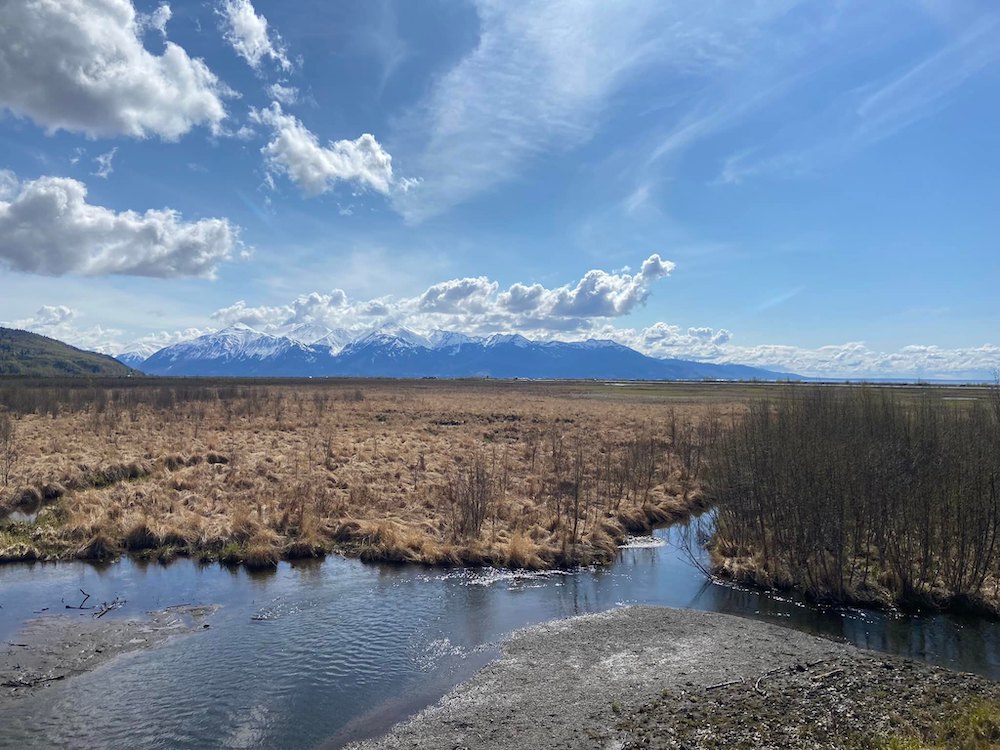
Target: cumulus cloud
477,305
459,295
472,305
48,227
248,35
80,65
59,322
295,151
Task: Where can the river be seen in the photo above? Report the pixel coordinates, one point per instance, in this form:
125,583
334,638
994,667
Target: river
317,654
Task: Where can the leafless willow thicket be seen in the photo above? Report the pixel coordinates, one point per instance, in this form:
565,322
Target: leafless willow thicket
858,495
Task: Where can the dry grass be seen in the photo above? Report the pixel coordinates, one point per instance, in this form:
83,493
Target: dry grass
517,474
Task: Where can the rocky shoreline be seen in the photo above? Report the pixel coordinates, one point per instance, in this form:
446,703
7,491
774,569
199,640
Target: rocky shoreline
665,678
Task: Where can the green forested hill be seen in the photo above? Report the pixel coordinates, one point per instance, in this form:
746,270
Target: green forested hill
23,353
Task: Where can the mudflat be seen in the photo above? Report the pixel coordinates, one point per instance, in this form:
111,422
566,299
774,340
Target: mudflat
50,649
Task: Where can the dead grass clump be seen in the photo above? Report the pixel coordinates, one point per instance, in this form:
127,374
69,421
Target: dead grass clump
522,552
18,552
52,491
100,547
261,553
140,537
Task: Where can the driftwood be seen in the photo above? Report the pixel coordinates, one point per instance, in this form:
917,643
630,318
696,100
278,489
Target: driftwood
86,596
116,603
31,683
776,670
724,684
831,673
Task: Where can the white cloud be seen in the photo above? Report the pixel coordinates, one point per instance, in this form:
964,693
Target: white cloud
47,316
59,322
247,33
295,151
850,360
103,161
283,94
477,305
48,227
473,305
157,20
9,184
79,65
544,75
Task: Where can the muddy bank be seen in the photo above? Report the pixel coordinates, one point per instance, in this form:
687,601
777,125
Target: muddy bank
50,649
624,677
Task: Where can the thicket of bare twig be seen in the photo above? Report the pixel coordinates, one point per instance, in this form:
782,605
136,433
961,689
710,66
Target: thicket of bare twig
857,495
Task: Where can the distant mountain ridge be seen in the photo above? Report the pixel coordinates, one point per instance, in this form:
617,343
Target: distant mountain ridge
242,351
30,354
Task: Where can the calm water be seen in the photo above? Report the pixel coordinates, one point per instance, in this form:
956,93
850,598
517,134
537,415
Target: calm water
315,655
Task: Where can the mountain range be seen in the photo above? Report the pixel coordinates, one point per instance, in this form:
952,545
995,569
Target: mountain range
312,351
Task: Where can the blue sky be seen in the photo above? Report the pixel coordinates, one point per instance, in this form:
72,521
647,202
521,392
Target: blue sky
805,185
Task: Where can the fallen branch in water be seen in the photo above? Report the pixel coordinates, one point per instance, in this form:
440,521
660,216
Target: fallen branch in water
86,596
116,603
31,683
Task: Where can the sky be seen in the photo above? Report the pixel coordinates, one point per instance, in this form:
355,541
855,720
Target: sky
808,186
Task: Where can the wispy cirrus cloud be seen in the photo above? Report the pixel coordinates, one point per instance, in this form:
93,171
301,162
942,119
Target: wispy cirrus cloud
863,113
543,75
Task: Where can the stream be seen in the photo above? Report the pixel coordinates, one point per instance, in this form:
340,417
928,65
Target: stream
317,654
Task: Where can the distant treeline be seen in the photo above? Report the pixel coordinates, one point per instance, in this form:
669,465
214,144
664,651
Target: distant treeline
857,495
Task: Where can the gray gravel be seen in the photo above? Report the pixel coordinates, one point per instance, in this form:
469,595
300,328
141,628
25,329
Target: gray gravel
569,683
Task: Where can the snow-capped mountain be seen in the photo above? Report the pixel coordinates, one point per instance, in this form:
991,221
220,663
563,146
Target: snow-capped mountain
136,355
399,352
237,350
448,339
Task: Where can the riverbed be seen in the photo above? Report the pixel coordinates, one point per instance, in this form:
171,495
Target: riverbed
326,652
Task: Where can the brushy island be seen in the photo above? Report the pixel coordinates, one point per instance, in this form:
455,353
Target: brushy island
476,473
863,496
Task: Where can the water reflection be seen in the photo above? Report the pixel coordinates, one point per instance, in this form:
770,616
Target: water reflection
318,653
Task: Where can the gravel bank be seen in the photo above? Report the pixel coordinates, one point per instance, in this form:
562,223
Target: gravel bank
847,702
653,677
570,683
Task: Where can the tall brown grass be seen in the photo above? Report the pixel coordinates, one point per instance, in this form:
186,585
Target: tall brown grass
518,474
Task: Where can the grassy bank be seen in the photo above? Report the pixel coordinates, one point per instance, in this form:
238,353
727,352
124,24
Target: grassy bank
861,496
511,474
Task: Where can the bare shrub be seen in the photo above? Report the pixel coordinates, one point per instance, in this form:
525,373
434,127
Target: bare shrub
860,496
8,447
